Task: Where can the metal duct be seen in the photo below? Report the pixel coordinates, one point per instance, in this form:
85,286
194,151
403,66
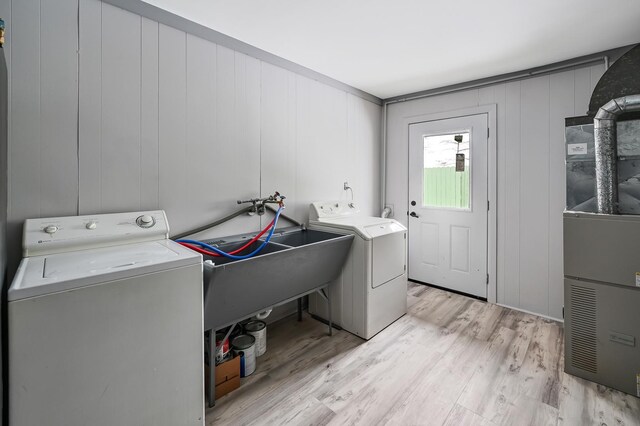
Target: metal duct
606,146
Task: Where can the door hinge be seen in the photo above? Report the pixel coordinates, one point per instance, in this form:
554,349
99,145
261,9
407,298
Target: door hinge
488,205
405,268
487,132
487,279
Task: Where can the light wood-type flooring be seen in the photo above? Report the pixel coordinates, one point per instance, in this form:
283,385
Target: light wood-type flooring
451,360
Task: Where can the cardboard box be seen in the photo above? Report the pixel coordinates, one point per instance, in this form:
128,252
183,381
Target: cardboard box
227,376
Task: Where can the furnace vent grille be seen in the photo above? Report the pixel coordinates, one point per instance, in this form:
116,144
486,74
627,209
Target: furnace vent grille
583,329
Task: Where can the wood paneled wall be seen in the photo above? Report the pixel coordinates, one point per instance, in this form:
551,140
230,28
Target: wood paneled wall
111,111
531,176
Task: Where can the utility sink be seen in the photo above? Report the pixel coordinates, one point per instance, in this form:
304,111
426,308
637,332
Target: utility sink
294,263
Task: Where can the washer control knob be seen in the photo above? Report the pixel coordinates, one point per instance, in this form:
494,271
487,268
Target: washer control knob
91,225
51,229
145,221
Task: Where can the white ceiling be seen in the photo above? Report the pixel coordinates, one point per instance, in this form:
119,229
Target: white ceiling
389,48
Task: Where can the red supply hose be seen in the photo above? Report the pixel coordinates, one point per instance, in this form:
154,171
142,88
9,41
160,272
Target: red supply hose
251,241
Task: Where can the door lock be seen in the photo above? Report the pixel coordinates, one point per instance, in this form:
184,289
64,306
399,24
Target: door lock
413,203
413,214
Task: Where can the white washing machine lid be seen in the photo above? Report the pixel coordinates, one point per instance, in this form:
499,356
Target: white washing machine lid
40,275
367,227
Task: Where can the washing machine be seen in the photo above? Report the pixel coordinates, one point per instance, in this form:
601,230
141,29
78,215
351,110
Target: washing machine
371,291
105,324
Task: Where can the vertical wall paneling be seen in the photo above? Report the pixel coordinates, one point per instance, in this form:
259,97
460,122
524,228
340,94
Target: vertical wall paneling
226,134
172,116
322,160
201,125
121,70
534,201
596,72
111,164
58,107
233,167
560,105
278,144
90,106
363,118
149,172
245,151
43,173
351,149
582,90
512,195
24,145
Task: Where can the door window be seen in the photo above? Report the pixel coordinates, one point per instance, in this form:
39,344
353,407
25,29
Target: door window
446,171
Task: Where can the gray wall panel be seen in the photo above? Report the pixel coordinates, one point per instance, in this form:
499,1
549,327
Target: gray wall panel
201,123
240,136
364,131
90,107
323,162
43,170
58,107
582,90
278,123
24,145
561,104
172,113
511,195
149,173
121,77
534,201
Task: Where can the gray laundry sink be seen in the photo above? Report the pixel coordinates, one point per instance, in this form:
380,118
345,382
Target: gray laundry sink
294,263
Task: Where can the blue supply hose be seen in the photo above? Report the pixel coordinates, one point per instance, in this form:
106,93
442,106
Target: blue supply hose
231,256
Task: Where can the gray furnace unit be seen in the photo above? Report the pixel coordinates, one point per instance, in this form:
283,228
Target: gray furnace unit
602,236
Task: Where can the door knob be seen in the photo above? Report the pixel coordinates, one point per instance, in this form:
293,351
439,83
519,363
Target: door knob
413,214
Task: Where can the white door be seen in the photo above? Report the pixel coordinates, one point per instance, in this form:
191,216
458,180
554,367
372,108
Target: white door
448,203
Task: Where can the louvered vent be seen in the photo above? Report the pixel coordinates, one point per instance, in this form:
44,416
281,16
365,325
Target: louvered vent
583,329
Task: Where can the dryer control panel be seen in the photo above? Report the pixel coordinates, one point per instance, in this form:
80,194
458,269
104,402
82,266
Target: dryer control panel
62,234
332,209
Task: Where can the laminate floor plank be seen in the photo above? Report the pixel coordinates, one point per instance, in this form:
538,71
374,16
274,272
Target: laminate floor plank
451,360
460,416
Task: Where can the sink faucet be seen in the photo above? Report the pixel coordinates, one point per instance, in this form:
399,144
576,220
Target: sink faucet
259,203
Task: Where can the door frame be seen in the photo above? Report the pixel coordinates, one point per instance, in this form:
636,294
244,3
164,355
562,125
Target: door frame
492,176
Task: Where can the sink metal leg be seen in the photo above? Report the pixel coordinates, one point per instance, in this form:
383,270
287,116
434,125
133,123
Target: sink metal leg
299,308
211,395
325,293
329,308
